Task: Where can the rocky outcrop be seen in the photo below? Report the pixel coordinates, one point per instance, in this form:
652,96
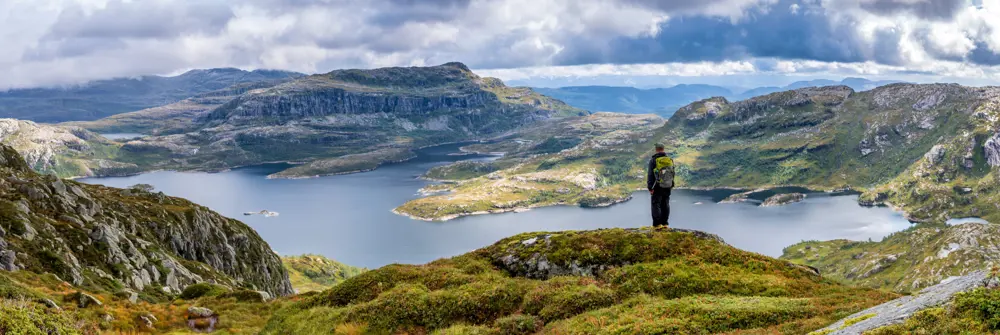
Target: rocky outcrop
992,150
87,234
535,257
897,311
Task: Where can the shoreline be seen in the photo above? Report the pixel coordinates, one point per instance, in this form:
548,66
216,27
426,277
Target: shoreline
601,205
518,209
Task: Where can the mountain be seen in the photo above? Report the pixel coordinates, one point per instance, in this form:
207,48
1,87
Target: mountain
927,149
172,118
63,151
109,240
636,281
342,121
632,100
857,84
98,99
665,101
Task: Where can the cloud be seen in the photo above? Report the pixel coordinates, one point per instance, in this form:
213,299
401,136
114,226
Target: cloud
50,42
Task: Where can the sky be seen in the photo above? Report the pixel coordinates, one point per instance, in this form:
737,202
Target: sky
743,42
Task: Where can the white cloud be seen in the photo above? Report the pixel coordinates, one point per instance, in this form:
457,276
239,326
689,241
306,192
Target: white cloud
50,42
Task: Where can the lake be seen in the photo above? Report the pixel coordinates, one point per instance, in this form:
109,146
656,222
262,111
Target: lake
348,218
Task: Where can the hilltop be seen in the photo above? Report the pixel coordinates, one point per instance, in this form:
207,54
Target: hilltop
103,98
613,280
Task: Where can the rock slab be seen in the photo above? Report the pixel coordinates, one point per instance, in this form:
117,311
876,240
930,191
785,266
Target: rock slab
898,310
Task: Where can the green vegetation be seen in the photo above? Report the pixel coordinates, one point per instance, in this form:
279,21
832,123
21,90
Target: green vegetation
23,318
199,290
974,312
492,290
904,261
317,273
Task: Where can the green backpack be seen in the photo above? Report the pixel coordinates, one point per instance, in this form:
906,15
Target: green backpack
664,172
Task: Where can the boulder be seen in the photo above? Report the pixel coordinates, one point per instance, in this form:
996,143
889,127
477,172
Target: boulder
146,321
897,311
200,319
83,300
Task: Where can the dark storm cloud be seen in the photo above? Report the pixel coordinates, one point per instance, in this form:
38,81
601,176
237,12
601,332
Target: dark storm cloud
773,32
929,9
983,55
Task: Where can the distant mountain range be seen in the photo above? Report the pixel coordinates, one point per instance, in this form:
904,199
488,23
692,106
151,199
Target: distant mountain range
104,98
338,122
665,101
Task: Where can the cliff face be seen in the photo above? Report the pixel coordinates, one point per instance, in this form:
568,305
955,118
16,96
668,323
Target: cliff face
108,238
348,112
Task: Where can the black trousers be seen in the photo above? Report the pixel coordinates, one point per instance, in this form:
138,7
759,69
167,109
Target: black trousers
661,206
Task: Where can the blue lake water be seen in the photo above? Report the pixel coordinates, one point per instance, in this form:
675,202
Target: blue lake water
348,217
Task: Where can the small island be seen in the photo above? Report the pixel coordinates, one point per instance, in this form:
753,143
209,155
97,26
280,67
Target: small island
264,212
783,199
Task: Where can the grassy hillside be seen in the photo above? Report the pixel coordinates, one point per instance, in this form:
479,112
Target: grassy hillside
605,281
317,273
905,261
125,240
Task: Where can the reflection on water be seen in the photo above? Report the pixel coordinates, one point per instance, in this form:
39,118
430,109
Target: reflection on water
348,217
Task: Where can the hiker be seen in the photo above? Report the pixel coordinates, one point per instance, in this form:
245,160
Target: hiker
659,181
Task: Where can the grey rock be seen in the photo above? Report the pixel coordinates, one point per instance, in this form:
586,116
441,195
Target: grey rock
199,312
146,320
83,300
71,219
897,311
7,260
935,155
50,304
992,150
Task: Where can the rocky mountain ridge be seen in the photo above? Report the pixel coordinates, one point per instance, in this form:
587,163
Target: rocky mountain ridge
110,239
347,112
103,98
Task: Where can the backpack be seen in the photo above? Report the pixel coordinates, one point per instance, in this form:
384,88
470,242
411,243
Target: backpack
664,172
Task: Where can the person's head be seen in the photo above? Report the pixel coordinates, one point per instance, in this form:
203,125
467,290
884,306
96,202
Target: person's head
659,147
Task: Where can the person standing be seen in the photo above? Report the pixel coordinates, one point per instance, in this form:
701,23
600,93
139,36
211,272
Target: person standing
660,181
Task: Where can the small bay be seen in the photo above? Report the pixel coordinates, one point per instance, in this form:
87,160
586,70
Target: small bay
349,218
